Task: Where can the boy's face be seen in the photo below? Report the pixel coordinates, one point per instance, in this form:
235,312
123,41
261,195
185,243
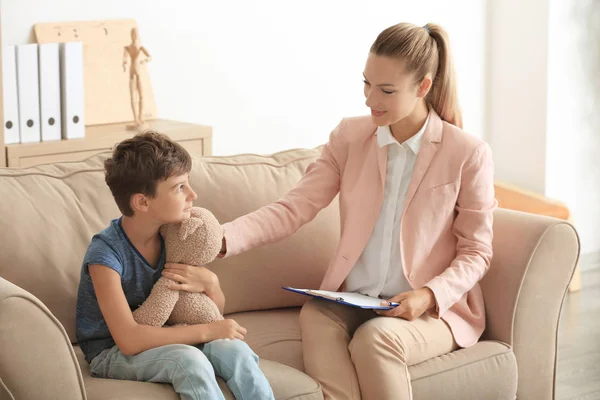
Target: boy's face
173,200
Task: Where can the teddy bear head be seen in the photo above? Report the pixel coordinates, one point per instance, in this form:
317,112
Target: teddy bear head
194,241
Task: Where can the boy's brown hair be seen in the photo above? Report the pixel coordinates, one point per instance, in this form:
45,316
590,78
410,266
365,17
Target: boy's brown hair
139,163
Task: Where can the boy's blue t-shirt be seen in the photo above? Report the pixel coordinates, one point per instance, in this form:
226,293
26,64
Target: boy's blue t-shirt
111,248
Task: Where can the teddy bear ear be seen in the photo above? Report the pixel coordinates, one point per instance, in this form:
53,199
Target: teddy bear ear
188,227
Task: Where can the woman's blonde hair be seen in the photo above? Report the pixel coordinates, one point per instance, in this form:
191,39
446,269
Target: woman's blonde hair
425,50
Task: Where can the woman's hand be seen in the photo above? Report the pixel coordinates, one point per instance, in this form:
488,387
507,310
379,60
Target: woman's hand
223,248
191,278
412,305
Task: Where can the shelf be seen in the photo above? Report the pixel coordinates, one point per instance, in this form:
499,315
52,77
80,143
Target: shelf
197,139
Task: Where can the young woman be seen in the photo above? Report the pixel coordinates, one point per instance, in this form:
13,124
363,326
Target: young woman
416,204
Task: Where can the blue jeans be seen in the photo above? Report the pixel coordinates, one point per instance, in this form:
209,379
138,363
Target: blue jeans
191,370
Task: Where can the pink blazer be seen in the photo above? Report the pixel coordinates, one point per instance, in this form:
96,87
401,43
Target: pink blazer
446,228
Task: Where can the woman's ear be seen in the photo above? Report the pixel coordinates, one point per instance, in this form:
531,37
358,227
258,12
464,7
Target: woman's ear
425,86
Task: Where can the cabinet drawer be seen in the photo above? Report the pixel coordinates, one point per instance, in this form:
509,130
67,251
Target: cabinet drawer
18,160
196,139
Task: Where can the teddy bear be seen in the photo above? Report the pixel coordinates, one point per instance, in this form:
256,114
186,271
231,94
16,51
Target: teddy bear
194,241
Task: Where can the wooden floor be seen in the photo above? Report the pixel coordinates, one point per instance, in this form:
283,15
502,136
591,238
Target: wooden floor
578,372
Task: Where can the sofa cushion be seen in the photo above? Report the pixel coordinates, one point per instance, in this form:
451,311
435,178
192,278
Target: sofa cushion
48,215
287,383
59,207
236,185
274,335
487,370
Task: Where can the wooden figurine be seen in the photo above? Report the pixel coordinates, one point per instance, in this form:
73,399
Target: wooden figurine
134,52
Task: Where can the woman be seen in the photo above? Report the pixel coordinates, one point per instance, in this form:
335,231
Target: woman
416,203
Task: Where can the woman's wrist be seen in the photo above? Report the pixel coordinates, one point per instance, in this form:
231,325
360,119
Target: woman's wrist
223,248
431,296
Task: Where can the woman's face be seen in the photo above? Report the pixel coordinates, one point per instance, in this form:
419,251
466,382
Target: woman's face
390,92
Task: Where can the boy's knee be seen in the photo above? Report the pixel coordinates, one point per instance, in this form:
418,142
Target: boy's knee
186,356
236,347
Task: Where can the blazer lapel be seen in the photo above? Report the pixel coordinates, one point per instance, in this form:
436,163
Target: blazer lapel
431,139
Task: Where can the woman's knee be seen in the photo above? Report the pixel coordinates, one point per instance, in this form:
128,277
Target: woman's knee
311,308
374,337
320,310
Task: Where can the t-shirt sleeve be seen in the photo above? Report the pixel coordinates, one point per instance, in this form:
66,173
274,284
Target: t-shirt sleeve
103,253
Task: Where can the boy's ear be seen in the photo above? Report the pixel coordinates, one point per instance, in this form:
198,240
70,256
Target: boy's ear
139,202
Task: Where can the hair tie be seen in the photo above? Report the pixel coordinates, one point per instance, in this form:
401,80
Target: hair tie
426,28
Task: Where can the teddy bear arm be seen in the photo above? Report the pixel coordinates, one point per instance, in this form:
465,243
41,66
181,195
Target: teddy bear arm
157,308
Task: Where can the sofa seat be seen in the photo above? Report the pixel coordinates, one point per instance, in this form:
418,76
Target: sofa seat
490,367
274,335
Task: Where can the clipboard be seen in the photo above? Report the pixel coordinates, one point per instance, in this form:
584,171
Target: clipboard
347,298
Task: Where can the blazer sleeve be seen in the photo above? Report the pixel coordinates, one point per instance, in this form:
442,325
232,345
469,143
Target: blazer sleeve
473,229
280,219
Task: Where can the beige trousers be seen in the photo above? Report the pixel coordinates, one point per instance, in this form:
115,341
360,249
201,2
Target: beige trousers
354,353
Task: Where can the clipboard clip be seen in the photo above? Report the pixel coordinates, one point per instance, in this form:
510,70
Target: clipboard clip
325,296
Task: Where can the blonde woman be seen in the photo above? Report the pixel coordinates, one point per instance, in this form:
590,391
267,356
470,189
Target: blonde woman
416,204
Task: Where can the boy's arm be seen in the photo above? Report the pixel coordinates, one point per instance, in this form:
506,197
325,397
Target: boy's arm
195,280
133,338
216,294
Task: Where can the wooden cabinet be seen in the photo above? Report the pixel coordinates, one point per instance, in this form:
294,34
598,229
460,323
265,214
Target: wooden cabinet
197,139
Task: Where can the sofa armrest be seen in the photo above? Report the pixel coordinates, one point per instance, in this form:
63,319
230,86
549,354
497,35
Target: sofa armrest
5,394
519,199
534,259
38,361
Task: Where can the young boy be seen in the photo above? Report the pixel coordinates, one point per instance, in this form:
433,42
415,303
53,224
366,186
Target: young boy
148,177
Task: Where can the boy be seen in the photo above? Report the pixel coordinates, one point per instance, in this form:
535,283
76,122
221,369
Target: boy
148,177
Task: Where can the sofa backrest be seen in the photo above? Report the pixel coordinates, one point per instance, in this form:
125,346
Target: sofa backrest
49,213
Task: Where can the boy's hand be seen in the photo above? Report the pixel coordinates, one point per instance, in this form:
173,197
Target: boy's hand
225,329
190,278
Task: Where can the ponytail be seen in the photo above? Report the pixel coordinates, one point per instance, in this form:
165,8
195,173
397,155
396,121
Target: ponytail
443,95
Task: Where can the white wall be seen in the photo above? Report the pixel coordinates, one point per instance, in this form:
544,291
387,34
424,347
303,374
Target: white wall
573,139
518,42
268,75
272,75
543,97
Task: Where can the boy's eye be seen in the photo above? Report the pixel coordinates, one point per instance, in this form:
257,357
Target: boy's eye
180,188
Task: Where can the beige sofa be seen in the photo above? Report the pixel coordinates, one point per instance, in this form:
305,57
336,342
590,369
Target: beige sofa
49,213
